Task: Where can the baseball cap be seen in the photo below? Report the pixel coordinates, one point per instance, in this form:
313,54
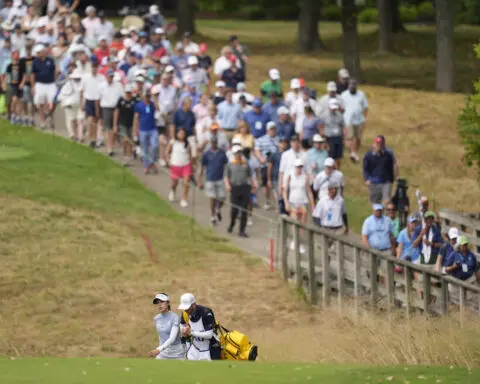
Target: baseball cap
41,23
165,60
412,219
156,89
329,162
429,214
143,34
159,31
186,301
257,103
138,55
241,87
343,73
153,10
110,73
332,184
270,125
103,37
232,58
192,60
333,104
453,233
220,84
462,240
295,84
318,138
236,141
129,87
377,207
160,297
90,8
331,86
76,74
282,110
203,47
214,127
298,163
169,69
128,43
187,34
424,199
274,74
124,32
236,149
179,45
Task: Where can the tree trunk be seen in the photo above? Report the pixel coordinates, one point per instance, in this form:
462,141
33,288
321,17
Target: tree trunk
308,38
351,49
384,25
397,25
185,16
445,46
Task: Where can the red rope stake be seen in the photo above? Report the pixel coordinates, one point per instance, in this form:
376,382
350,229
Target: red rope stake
271,255
148,245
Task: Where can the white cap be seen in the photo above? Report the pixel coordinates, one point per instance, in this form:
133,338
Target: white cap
192,60
331,86
89,9
164,60
140,72
453,233
333,104
42,22
37,48
295,84
220,84
128,43
318,138
140,78
76,74
236,141
160,297
186,301
153,10
282,110
298,162
103,37
274,74
329,162
271,124
132,28
156,89
17,3
159,31
124,32
236,148
343,73
241,87
129,87
169,68
179,45
105,61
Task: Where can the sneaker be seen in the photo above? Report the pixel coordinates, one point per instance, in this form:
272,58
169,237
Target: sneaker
183,204
354,157
110,153
92,144
219,215
243,234
162,163
267,206
213,220
250,222
171,196
126,162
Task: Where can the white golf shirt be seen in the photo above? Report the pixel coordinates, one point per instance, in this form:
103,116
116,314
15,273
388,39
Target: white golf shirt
110,94
91,86
322,180
330,211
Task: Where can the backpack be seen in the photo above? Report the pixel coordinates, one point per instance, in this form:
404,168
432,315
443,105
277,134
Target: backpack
234,344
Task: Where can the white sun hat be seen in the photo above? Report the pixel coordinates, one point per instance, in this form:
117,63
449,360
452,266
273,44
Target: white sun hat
186,301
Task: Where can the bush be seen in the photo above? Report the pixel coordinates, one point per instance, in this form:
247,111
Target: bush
254,12
283,12
368,16
331,12
408,14
426,11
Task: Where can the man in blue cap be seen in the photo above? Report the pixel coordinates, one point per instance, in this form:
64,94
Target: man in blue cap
257,119
377,231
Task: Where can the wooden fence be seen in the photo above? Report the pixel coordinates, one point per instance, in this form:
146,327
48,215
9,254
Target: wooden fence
335,267
467,224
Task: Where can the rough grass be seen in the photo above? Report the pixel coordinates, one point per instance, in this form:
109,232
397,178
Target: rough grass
56,371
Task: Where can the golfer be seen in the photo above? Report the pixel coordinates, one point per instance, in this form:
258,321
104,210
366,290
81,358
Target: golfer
168,328
200,327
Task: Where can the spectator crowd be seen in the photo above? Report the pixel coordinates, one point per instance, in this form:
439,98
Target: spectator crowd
172,105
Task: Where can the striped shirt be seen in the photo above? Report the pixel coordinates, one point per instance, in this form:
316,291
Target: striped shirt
267,145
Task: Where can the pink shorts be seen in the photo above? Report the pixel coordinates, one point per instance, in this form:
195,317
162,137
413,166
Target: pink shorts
180,172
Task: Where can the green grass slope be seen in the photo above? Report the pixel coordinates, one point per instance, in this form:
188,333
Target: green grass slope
123,371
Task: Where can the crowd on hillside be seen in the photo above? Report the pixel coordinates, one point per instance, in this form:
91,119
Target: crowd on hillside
173,106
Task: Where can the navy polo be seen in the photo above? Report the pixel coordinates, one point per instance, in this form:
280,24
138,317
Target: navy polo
44,70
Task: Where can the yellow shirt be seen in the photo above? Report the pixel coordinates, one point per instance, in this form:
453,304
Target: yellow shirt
247,140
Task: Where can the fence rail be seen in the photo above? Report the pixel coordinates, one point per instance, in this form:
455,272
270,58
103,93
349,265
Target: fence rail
336,267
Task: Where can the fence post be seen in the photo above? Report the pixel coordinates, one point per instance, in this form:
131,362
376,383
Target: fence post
373,279
356,278
390,286
298,268
462,305
340,272
408,290
312,278
325,270
283,247
444,296
426,291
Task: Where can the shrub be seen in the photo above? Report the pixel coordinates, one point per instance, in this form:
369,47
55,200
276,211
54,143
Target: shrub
368,16
331,12
408,14
254,12
426,11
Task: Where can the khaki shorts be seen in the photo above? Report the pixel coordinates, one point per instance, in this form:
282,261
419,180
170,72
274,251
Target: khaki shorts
354,132
215,190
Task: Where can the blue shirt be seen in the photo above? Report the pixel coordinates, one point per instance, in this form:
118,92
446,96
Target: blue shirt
214,163
180,63
286,130
408,248
378,168
257,122
316,157
271,109
378,232
229,114
310,127
275,159
146,115
448,254
125,67
44,70
185,120
436,238
467,265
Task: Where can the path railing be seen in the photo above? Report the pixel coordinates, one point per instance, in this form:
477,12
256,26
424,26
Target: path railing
337,267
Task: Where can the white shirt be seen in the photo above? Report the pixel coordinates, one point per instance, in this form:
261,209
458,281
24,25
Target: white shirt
291,97
91,86
287,163
192,48
18,41
166,98
297,188
180,155
298,110
355,106
322,180
322,106
110,94
106,29
92,28
199,77
248,96
330,211
70,93
144,50
222,64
